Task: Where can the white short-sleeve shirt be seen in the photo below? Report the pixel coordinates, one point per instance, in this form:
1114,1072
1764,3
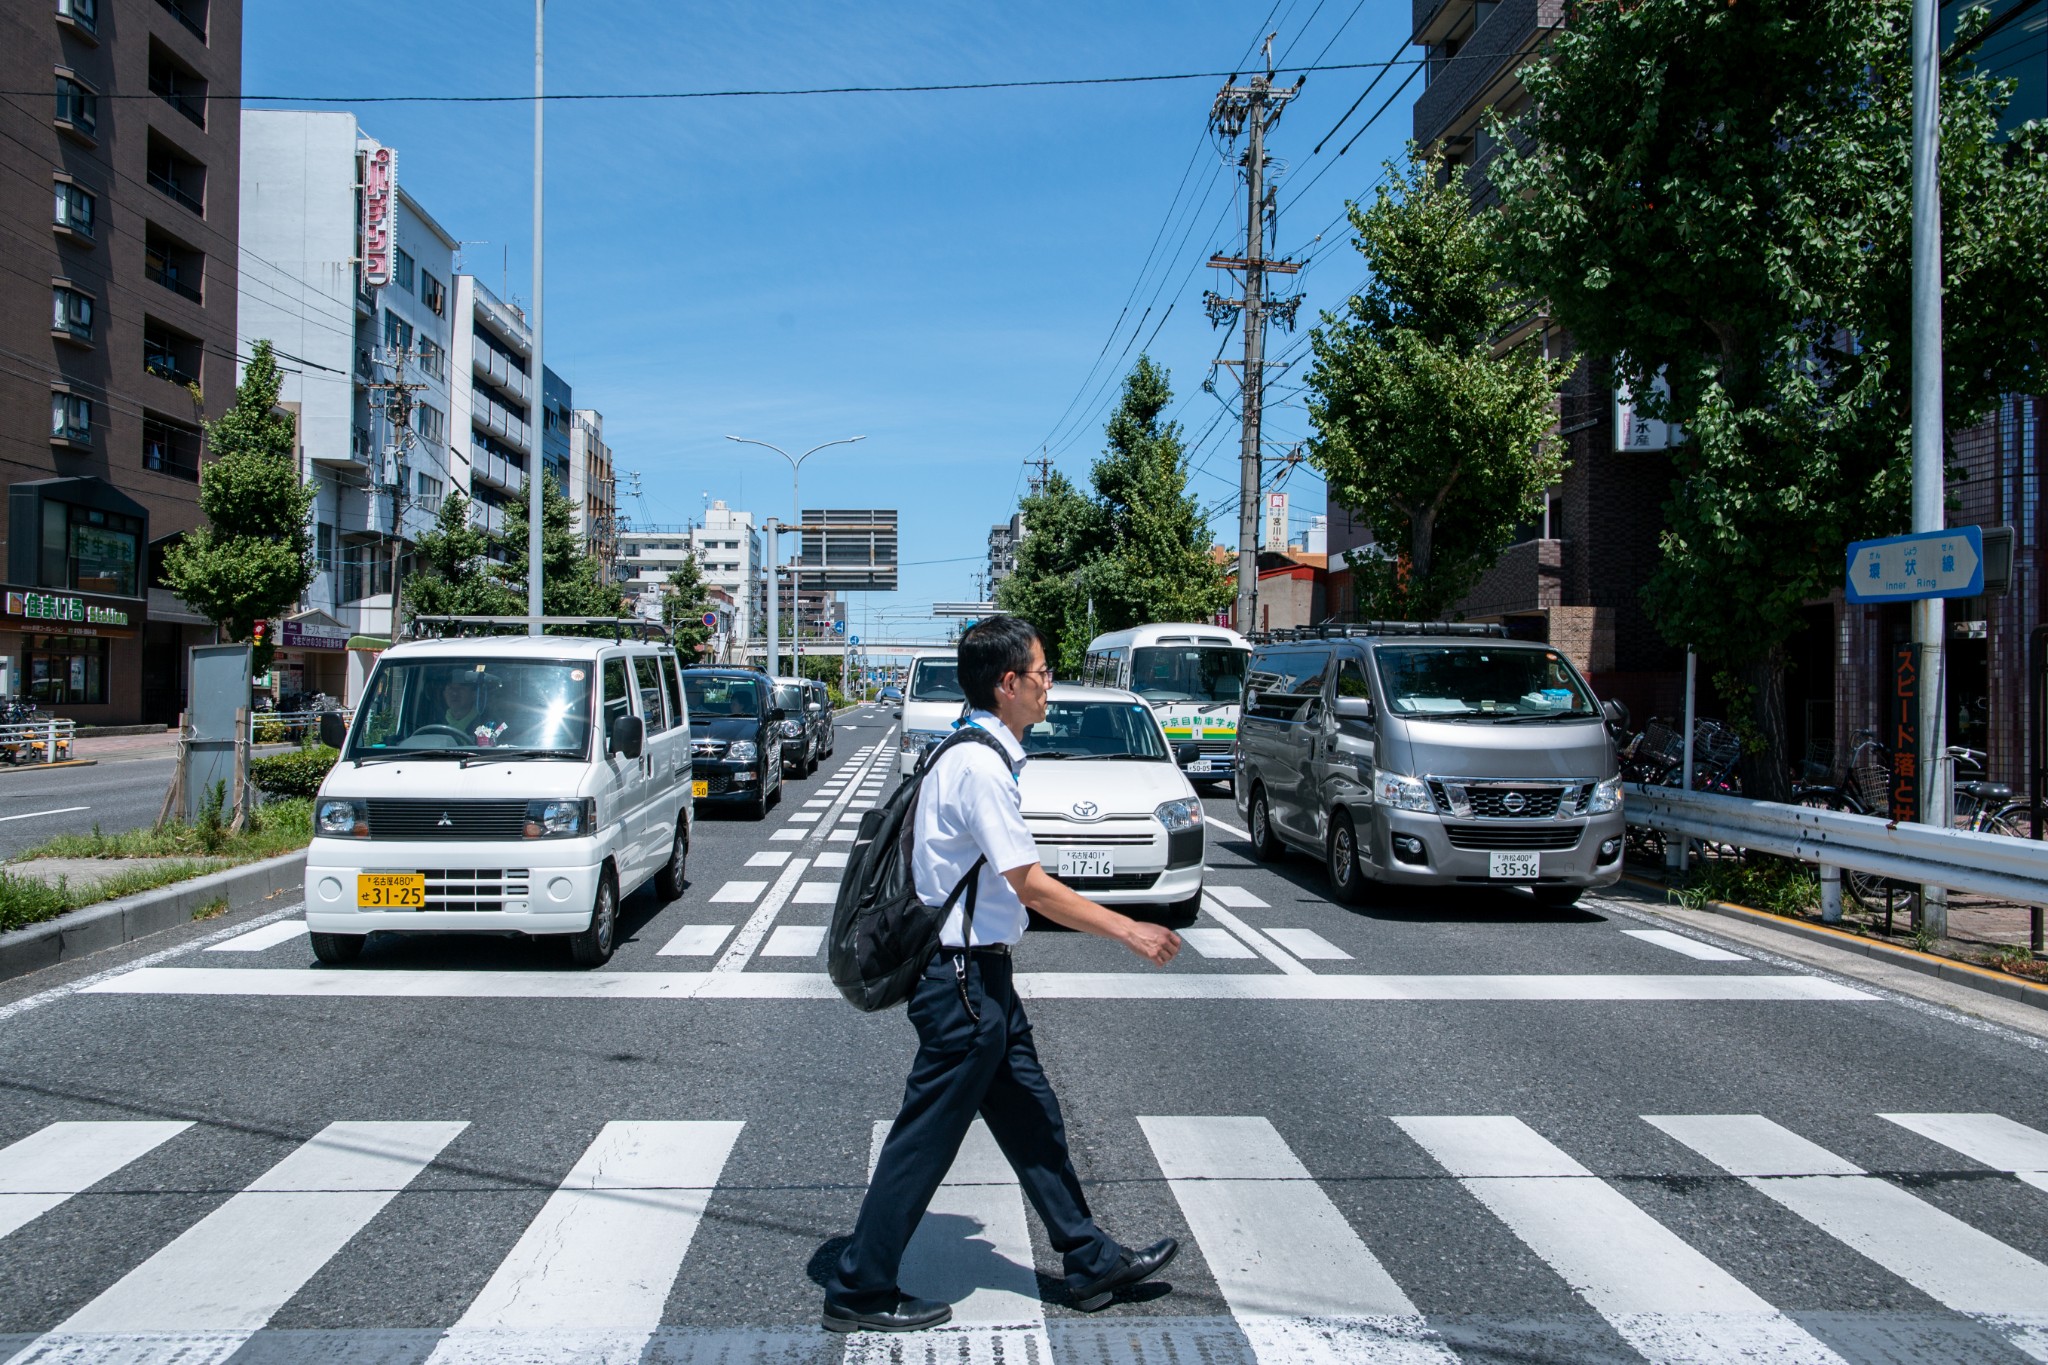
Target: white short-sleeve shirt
970,807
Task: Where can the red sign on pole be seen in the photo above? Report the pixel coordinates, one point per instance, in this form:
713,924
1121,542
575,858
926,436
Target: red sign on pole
380,213
1905,728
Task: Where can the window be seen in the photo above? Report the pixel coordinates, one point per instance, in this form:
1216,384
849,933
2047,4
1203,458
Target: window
618,689
75,205
647,669
397,333
66,670
323,546
169,354
88,550
433,359
672,682
71,312
433,293
173,173
176,85
401,272
176,267
77,105
84,13
191,13
70,419
429,422
1287,682
170,447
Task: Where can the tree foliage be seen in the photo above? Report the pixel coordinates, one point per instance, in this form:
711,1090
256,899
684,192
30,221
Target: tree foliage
1063,530
253,558
684,602
1722,194
460,570
449,577
1440,445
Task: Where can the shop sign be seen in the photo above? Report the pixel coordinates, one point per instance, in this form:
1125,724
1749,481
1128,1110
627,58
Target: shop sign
380,209
311,635
63,608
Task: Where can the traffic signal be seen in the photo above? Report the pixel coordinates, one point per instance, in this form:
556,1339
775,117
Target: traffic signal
262,627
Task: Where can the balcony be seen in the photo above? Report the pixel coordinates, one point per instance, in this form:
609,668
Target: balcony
489,468
177,176
181,89
190,13
488,519
1504,35
494,367
173,267
500,421
356,458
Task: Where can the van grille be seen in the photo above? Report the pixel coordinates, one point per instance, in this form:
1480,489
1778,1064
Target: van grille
484,889
1122,881
404,818
1508,800
707,748
1512,838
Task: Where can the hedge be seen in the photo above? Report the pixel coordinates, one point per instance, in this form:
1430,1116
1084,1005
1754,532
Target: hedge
293,774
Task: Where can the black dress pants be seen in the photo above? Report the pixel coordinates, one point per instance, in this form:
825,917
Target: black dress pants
964,1069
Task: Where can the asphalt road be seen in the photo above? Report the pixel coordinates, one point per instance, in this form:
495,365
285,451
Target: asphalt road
115,794
1451,1127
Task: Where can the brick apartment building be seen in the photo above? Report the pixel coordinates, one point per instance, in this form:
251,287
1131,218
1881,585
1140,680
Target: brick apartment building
119,204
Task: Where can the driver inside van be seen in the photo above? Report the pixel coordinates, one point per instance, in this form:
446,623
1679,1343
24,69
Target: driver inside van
465,699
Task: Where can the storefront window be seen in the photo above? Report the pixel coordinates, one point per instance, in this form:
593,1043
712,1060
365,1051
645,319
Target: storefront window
66,670
88,550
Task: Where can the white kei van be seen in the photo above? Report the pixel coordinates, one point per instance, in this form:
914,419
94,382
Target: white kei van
518,784
931,704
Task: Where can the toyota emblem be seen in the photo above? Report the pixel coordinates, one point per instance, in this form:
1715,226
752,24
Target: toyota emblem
1084,810
1513,802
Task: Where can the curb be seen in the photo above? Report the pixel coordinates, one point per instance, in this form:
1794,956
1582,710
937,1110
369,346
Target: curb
1928,964
117,731
60,763
109,924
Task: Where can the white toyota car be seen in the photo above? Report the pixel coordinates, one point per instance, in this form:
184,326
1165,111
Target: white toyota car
1105,798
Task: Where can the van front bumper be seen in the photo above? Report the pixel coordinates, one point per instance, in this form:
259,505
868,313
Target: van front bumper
1455,852
540,886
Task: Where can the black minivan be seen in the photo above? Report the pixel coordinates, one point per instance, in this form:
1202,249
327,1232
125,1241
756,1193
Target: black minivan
735,738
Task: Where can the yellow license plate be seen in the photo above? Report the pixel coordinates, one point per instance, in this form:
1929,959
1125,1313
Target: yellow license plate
391,890
700,789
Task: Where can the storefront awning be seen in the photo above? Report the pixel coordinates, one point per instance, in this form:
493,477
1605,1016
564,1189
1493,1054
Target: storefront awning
376,642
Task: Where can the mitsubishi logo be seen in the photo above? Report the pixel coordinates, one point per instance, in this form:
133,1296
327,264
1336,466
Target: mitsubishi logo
1513,802
444,822
1084,810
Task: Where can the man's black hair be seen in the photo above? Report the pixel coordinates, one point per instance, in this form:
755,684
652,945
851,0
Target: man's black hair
990,649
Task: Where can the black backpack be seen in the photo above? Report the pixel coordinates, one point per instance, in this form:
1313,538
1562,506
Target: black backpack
882,934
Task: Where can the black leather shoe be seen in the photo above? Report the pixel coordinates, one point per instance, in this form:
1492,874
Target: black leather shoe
1132,1267
906,1314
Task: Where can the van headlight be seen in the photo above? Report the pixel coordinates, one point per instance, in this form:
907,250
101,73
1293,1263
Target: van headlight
743,751
338,818
917,741
558,818
1606,797
1401,792
1180,816
792,728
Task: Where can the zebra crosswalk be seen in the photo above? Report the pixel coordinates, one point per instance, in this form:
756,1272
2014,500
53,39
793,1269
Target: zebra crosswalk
593,1274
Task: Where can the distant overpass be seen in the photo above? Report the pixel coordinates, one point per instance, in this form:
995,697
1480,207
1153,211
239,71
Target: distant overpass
869,647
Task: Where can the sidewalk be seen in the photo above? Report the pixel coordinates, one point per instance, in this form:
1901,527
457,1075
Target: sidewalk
118,748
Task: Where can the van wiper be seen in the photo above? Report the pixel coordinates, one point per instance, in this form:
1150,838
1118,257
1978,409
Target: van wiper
1544,717
515,755
1052,753
399,755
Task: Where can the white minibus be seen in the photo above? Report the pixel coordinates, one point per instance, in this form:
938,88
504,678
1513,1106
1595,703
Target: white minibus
1192,676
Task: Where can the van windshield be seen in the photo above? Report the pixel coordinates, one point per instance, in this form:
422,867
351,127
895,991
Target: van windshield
790,697
1478,682
936,680
1095,729
1201,673
712,695
539,706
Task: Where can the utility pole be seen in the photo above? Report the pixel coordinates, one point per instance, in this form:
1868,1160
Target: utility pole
774,606
394,398
1043,466
1252,108
1930,512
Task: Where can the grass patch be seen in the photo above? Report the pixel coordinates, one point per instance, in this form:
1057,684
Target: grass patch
276,827
1777,886
31,900
213,909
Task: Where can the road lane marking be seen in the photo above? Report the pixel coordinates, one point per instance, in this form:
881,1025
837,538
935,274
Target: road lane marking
733,984
756,928
1302,1284
817,893
838,805
695,940
1661,1295
1236,897
33,814
217,1283
1259,943
261,937
794,940
1216,943
830,858
769,858
1679,943
147,960
1992,1139
1232,830
55,1162
588,1277
1967,1271
789,834
1308,944
738,893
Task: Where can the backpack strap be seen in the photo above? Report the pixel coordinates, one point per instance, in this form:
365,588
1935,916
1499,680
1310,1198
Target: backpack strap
971,882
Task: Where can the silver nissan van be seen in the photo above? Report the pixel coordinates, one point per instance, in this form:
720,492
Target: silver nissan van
1429,754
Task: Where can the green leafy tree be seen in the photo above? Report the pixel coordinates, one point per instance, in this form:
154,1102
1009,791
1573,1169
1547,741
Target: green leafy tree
572,581
684,602
254,556
1721,194
1439,443
1063,530
1153,563
449,577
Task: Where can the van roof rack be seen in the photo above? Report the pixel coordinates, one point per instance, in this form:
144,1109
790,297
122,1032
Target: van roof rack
441,627
1332,630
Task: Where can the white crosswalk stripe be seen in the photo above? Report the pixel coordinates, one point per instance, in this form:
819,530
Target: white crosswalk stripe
198,1299
769,858
53,1163
738,893
1302,1284
696,940
1664,1298
1690,947
1308,945
588,1279
817,893
1992,1139
262,936
1937,1253
1236,897
1220,943
794,940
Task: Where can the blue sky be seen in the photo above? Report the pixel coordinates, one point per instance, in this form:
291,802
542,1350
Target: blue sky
937,271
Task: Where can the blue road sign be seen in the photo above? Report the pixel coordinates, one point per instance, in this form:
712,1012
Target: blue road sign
711,618
856,639
1908,568
839,627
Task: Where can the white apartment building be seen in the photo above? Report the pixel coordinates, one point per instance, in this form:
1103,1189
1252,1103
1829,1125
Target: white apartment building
493,396
727,548
337,337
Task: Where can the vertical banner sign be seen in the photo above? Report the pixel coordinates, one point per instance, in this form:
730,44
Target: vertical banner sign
380,209
1905,736
1276,521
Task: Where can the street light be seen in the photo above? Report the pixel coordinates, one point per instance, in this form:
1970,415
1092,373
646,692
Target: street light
796,617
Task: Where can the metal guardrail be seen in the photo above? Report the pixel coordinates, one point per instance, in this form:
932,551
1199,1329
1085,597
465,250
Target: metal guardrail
43,739
290,727
1961,860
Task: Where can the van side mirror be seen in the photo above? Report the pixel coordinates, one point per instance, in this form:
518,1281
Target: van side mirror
1186,752
814,708
1251,699
333,729
1354,708
1617,716
628,736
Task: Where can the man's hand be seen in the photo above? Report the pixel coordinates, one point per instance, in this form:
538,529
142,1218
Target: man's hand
1064,905
1156,943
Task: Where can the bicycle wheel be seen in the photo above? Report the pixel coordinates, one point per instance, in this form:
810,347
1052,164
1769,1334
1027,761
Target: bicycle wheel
2014,822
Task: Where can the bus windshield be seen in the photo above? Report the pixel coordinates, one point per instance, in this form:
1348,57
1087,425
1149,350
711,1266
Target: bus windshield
502,705
1198,673
936,680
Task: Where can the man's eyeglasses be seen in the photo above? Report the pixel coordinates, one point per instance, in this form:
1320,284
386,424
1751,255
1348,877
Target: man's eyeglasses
1044,673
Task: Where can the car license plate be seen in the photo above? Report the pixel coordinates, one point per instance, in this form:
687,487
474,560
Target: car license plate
391,890
700,788
1200,765
1087,862
1518,867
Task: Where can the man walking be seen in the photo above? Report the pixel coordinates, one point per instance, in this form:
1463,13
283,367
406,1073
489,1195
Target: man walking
975,1054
